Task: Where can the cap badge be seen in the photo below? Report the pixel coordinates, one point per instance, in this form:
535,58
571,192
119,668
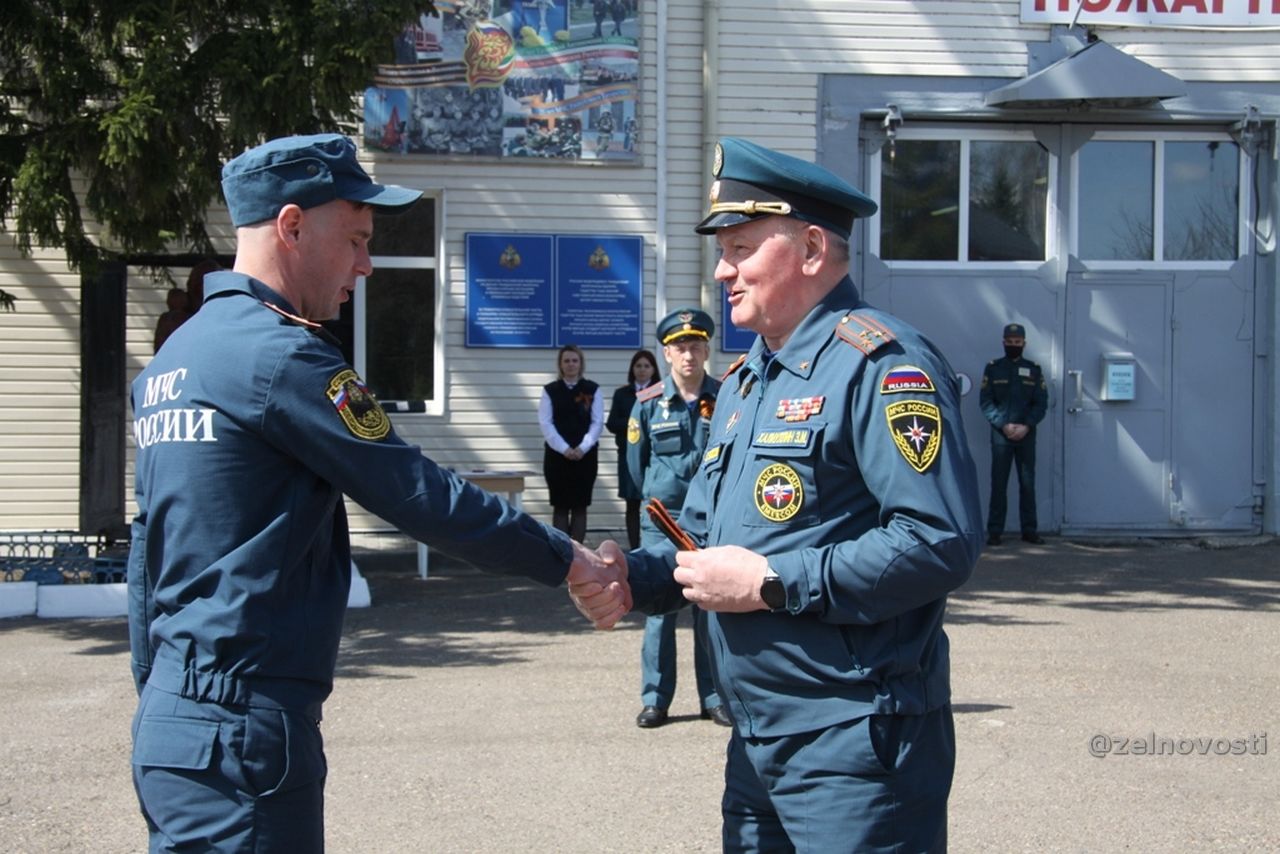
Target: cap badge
717,163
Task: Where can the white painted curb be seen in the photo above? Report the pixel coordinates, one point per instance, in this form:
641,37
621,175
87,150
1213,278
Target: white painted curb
57,601
17,598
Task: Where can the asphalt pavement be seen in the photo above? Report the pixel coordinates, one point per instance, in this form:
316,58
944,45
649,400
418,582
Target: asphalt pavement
1109,696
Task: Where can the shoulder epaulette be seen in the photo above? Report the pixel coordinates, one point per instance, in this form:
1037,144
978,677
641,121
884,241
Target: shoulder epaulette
310,325
736,364
650,392
292,318
863,332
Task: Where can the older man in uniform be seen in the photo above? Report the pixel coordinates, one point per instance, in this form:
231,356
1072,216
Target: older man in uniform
835,509
250,428
1014,399
666,435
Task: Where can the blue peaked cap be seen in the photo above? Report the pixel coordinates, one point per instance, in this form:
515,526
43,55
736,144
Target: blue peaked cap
686,323
751,181
307,171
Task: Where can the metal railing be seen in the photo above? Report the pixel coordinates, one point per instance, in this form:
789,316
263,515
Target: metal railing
61,557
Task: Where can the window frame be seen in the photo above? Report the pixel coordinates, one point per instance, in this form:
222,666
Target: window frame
435,406
1158,138
965,136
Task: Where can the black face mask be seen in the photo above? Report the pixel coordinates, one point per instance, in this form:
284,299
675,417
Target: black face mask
1013,352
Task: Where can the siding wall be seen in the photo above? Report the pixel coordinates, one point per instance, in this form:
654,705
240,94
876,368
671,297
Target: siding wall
770,56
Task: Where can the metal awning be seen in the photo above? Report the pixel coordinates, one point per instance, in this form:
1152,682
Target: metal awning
1097,74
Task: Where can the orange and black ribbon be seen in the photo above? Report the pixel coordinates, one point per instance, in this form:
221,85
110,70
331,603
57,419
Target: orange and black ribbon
667,524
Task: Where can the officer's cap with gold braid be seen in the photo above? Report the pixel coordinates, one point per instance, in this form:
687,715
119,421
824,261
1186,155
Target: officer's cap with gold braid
685,324
752,181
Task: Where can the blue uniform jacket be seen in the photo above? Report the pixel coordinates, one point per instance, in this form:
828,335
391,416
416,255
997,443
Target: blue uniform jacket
249,428
665,442
843,460
1013,392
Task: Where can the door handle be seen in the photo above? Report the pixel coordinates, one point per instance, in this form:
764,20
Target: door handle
1078,404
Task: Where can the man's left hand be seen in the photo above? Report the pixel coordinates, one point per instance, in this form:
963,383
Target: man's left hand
724,578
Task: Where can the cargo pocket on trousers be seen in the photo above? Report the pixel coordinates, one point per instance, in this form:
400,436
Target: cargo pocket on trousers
175,743
282,751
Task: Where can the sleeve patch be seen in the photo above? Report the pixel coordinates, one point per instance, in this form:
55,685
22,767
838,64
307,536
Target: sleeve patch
357,406
916,429
906,378
633,431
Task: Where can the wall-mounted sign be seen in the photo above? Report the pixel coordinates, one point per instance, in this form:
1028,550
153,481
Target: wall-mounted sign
543,290
1119,376
512,79
732,339
1191,14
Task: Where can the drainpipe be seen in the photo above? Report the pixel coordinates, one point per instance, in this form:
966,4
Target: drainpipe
710,133
660,172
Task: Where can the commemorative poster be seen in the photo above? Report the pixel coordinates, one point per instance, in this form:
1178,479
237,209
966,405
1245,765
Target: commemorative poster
549,79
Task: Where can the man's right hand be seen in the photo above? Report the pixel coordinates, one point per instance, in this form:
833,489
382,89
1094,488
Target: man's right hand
598,584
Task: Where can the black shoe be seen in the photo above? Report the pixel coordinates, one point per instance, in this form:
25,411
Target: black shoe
719,715
650,717
993,539
1033,538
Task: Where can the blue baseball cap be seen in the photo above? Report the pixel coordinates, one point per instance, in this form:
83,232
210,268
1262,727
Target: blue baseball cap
684,324
1015,330
752,181
307,171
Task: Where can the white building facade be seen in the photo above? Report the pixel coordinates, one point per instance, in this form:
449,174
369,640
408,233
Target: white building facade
1104,173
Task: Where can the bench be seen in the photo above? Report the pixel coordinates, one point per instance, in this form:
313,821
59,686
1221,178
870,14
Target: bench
510,482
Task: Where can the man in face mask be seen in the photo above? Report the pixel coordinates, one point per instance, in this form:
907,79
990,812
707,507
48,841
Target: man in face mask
1014,399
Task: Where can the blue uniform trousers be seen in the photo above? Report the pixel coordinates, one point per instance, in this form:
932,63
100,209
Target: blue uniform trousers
658,661
1003,456
221,778
875,784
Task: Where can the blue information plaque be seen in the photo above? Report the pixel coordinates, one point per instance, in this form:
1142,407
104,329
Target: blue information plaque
510,290
598,286
732,339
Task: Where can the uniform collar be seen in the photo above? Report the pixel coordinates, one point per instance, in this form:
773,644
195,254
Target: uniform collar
800,352
227,282
708,387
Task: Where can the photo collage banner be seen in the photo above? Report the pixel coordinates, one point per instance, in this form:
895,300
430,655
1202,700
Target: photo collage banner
556,79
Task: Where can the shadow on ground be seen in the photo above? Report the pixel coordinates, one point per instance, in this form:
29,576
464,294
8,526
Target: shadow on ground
1140,575
459,616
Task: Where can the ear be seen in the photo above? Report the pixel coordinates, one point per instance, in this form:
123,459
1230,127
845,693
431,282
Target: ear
814,241
289,225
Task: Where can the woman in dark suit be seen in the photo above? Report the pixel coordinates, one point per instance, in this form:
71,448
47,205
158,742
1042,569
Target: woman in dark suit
570,415
643,371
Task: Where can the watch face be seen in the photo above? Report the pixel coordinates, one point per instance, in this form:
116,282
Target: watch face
773,593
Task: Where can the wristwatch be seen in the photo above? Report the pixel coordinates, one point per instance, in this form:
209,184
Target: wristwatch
772,591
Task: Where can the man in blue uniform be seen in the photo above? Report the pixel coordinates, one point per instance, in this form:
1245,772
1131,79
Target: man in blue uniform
666,436
1014,399
250,428
835,509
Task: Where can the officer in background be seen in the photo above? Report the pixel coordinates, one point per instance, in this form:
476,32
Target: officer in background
836,507
666,436
1014,399
250,427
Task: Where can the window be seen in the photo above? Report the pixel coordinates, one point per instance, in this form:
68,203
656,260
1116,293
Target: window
970,199
391,330
1174,198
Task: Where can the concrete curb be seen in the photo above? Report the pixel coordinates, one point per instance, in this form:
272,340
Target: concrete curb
60,601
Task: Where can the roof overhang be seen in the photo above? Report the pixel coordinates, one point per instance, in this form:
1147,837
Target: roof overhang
1096,75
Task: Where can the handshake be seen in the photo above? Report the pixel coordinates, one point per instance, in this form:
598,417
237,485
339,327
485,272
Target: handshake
598,583
726,579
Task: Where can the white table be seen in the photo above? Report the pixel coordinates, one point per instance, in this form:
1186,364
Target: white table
510,482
